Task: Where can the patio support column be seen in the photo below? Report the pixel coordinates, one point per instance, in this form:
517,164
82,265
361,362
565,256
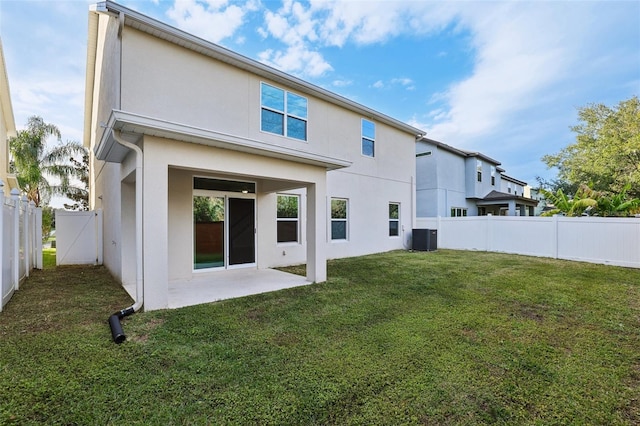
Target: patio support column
317,231
512,208
155,229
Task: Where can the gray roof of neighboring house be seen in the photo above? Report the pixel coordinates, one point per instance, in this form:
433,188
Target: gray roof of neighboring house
461,152
503,196
514,180
188,41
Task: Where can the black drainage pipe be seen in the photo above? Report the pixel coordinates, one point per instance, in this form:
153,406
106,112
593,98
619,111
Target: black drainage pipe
116,328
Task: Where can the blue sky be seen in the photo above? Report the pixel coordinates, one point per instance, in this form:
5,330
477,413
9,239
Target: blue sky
502,78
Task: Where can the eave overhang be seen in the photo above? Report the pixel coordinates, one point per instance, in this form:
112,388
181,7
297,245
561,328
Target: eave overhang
134,126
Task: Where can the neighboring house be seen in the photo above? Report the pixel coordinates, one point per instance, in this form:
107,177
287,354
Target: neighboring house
453,182
7,128
220,162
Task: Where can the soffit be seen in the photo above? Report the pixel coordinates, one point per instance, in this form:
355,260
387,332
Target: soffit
134,126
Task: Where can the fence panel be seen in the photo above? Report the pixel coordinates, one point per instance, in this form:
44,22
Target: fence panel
614,241
20,242
8,249
78,237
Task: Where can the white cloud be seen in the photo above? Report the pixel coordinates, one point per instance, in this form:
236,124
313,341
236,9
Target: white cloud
378,84
342,83
296,60
214,20
522,51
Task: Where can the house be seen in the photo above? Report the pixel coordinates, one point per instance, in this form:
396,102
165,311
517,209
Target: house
206,162
7,128
452,182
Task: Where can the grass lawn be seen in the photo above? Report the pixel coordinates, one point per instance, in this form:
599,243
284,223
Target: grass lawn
446,337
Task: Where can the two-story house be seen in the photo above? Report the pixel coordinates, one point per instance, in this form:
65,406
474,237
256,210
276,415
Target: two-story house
206,161
452,182
7,128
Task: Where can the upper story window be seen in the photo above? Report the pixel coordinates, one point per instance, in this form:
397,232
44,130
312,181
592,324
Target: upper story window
394,219
283,113
479,170
368,138
288,214
493,175
509,187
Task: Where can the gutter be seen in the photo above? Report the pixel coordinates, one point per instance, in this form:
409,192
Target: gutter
114,320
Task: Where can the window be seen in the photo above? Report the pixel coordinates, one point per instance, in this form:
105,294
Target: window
458,212
479,170
283,113
493,175
509,187
338,219
288,218
394,219
368,138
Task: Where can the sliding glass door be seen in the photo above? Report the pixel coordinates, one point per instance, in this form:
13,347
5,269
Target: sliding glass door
223,229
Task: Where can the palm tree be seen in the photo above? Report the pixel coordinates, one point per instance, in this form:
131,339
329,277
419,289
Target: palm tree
33,163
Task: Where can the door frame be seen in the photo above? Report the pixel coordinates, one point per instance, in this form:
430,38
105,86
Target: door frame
226,195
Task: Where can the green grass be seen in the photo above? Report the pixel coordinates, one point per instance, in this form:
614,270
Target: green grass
446,337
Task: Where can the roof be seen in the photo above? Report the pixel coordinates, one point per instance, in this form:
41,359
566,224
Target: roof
5,98
503,196
514,180
181,38
458,151
108,149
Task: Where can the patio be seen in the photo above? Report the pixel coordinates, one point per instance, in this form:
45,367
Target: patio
226,284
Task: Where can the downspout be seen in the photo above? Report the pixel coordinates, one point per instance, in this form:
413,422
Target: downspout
114,320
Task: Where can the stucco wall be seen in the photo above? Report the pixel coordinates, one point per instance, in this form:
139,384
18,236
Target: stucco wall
441,181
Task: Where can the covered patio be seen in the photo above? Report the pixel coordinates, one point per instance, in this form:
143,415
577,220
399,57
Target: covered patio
226,284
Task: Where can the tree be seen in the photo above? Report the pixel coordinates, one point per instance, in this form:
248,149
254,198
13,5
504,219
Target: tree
570,206
606,154
33,163
79,194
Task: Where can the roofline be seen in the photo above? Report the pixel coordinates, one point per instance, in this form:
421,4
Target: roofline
5,97
460,152
514,180
171,34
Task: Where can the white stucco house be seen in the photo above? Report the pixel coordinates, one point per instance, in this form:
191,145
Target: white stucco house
7,128
453,182
205,162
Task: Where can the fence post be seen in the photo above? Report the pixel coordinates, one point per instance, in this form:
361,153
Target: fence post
38,238
15,198
1,243
26,240
555,236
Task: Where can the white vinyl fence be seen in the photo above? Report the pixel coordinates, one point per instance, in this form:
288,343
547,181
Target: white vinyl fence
613,241
20,241
78,237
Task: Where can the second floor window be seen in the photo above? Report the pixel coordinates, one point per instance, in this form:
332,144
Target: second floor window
368,138
479,170
493,175
283,113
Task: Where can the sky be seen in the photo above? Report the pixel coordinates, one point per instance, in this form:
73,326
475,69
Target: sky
502,78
